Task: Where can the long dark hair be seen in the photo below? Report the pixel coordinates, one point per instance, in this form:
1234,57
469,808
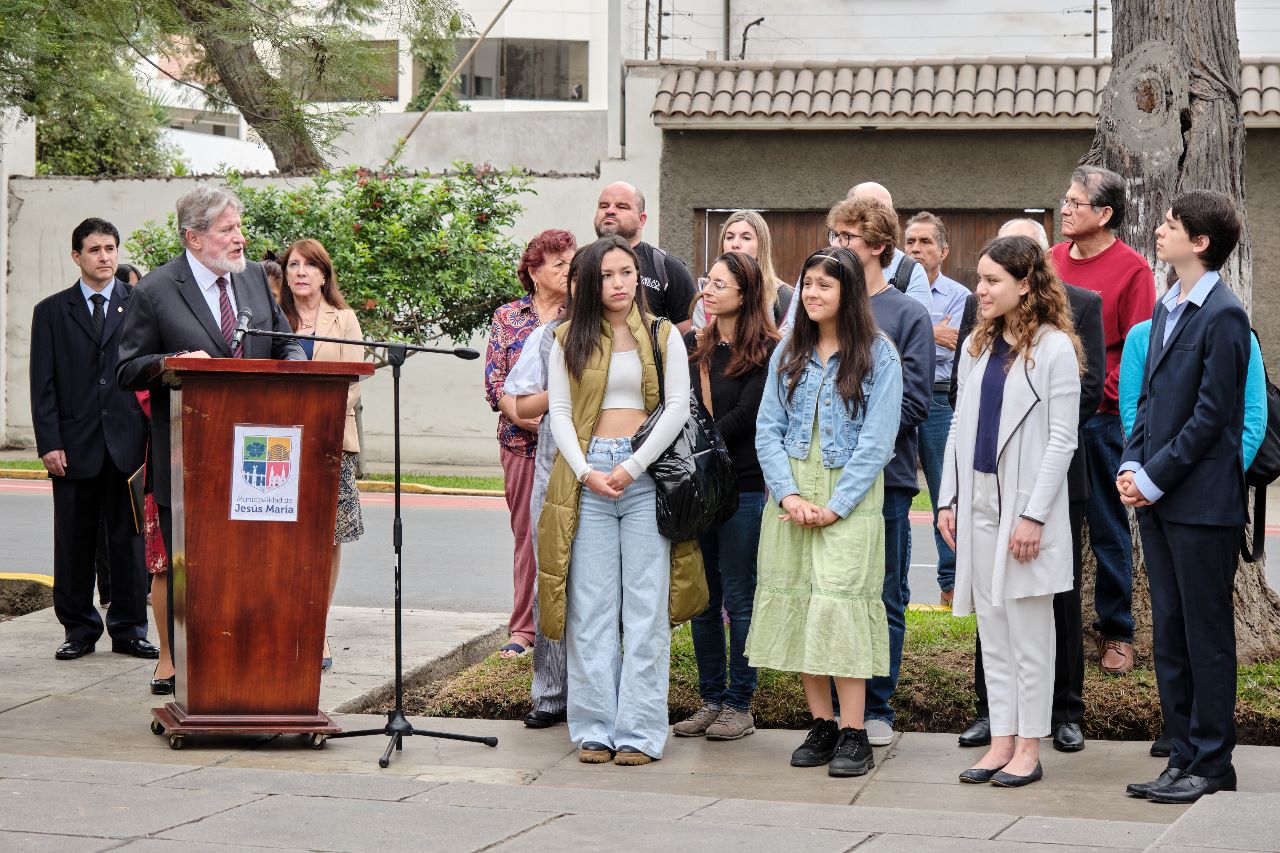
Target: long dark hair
315,252
755,329
855,328
585,310
1045,304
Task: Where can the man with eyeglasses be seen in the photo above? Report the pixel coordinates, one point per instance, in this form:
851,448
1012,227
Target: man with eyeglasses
906,274
1094,258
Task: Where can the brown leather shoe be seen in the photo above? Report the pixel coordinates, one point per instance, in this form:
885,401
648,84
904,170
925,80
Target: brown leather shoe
1116,656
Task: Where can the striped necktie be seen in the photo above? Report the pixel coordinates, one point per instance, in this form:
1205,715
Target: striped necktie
227,316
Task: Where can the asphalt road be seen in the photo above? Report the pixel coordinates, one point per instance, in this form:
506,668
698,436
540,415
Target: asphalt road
457,550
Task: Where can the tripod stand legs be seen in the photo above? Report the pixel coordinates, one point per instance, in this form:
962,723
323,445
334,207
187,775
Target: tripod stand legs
398,728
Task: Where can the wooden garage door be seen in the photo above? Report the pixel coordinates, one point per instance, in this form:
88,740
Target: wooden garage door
797,233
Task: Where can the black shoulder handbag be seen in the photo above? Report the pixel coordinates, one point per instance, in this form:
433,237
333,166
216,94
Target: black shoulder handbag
696,484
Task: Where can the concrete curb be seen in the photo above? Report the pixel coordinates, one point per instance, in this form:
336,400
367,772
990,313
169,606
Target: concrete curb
447,665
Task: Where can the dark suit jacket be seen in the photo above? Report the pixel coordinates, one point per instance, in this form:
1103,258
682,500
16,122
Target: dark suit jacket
1086,315
169,315
76,404
1186,435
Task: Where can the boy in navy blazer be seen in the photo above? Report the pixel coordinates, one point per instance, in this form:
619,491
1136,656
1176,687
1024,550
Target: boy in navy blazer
1184,472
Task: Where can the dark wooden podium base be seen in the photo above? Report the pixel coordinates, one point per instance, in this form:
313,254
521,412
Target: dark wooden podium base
173,720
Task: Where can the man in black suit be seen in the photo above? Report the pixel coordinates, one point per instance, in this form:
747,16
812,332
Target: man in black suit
189,306
1184,471
1068,680
91,435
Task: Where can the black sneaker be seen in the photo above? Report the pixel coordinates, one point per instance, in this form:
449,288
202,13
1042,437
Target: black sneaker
853,754
818,747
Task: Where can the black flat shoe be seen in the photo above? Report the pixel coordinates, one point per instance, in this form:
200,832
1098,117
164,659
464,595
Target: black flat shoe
978,733
1008,780
138,648
72,649
543,719
1144,789
163,686
1187,788
978,775
1067,737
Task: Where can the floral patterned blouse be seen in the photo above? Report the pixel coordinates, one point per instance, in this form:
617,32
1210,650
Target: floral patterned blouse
511,325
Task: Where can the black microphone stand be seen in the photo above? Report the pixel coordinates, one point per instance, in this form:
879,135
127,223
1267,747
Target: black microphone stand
398,726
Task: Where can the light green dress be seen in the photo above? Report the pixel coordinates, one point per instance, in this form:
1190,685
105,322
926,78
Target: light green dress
818,606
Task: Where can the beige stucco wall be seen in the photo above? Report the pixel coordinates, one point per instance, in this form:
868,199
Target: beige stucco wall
938,169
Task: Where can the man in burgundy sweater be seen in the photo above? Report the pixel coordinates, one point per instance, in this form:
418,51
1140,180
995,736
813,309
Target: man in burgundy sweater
1093,257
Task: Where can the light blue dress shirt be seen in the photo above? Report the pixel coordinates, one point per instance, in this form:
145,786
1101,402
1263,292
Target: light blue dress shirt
88,293
948,298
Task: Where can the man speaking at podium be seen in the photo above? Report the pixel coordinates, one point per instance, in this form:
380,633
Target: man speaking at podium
189,307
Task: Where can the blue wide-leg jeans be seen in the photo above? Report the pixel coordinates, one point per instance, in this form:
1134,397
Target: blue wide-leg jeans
620,570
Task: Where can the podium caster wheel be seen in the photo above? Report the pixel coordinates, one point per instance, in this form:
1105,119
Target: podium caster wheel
175,741
318,741
156,727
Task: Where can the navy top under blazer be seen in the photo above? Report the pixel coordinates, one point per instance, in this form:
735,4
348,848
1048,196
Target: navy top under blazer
1186,435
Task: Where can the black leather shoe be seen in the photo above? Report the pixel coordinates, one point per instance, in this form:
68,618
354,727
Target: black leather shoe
1144,789
1187,788
819,745
1067,737
72,649
163,686
543,719
1008,780
139,648
978,733
1162,746
978,775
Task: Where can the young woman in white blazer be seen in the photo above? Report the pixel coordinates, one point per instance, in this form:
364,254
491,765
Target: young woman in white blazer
1004,495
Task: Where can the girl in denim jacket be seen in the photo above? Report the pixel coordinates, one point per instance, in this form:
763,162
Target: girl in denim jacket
825,431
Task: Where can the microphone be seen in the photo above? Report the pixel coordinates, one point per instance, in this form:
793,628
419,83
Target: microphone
466,353
242,326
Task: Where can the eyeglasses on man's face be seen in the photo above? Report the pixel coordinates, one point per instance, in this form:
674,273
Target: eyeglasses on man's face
1073,206
842,238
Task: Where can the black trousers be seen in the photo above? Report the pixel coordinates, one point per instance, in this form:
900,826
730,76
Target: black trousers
1068,676
1191,569
77,507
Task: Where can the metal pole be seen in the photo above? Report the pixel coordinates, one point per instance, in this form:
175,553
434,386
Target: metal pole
648,10
727,48
1095,29
659,30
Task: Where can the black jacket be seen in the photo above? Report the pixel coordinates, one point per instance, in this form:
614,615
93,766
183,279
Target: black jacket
76,405
169,315
1086,314
1186,435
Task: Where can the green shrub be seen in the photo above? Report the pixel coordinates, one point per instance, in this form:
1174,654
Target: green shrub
418,258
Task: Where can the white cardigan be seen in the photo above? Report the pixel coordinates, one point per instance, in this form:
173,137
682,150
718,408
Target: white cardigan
1037,437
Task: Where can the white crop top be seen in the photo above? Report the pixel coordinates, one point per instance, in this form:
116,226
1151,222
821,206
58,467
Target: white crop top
624,390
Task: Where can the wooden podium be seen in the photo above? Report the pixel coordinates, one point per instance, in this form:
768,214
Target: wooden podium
256,456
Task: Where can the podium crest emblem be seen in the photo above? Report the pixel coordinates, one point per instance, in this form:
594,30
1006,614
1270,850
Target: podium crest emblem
265,464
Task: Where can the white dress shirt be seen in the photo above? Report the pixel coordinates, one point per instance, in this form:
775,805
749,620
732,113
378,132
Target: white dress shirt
207,279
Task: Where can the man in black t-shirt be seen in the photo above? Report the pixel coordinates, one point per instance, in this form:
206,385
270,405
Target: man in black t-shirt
669,287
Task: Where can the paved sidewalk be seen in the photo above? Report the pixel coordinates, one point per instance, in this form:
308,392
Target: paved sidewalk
80,770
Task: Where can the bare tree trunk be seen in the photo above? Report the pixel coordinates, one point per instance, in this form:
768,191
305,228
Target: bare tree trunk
1171,122
250,86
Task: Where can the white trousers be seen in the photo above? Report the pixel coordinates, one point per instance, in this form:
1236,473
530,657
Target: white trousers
1017,633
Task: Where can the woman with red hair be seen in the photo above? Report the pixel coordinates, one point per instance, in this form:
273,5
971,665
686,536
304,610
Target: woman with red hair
544,274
